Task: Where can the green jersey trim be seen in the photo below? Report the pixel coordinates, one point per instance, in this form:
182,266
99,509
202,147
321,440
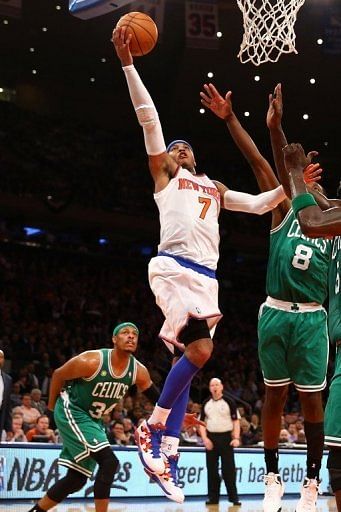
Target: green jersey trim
277,228
332,441
72,465
111,369
134,371
88,379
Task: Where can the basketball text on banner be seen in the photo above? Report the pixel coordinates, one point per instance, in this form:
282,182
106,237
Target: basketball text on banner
202,24
87,9
10,8
154,8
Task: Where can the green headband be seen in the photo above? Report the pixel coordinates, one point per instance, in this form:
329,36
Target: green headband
121,326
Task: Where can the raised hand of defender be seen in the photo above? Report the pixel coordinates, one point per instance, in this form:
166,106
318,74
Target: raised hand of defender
190,420
121,42
294,157
312,173
275,110
210,98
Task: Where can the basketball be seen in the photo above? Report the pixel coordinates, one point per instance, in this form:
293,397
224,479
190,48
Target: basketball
143,30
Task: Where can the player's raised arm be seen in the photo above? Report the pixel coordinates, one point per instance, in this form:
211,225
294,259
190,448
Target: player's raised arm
222,107
273,194
161,166
314,222
83,365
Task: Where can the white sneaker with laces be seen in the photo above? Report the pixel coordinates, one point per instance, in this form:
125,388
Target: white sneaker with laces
148,440
168,481
274,490
309,493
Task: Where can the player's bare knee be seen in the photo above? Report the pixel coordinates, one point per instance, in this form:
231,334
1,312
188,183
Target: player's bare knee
275,396
312,407
199,352
334,466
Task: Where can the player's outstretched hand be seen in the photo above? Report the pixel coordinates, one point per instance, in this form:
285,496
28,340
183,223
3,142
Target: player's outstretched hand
121,43
275,110
212,99
312,173
294,157
190,420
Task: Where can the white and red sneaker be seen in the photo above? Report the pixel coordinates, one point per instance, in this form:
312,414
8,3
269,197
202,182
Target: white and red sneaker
168,481
148,441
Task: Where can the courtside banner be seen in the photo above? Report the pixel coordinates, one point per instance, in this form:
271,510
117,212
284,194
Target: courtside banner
28,470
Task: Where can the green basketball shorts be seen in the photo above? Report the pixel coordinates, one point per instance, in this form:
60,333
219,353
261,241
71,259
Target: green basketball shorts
332,414
80,435
293,347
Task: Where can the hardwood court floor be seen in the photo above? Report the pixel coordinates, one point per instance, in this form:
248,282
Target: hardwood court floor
249,504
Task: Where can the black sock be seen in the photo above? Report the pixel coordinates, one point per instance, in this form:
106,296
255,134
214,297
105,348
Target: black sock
271,460
315,440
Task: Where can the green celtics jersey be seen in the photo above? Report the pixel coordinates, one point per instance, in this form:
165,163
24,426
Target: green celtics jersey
298,265
100,393
335,291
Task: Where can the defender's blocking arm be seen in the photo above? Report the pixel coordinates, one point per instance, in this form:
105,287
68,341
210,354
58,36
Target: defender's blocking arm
314,222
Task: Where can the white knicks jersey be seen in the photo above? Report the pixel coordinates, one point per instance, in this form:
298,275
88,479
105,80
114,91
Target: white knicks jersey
189,207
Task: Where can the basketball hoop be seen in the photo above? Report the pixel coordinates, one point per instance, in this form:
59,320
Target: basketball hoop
268,29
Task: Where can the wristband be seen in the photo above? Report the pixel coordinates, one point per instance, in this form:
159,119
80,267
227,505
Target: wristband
302,201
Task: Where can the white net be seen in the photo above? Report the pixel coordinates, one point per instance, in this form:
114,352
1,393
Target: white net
268,29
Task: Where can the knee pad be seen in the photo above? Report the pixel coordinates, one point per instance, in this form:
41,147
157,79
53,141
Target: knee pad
72,482
334,466
194,330
108,464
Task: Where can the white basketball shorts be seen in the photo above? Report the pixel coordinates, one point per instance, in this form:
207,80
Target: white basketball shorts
182,293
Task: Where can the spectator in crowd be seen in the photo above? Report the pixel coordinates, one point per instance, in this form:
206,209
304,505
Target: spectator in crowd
283,436
292,433
15,396
16,433
46,381
137,415
117,434
129,430
41,433
301,439
32,379
30,414
128,405
5,398
107,422
37,402
247,437
220,436
255,424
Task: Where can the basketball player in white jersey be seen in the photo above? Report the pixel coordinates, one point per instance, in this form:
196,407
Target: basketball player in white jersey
182,275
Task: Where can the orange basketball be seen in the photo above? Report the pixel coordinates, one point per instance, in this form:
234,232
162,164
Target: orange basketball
143,30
